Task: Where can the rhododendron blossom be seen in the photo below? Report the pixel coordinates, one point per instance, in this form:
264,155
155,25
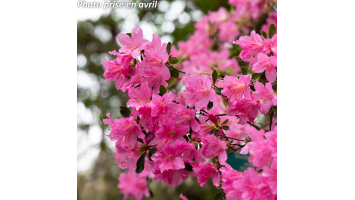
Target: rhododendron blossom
192,106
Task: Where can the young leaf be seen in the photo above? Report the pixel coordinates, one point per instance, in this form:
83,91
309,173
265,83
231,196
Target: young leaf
218,91
168,48
225,121
212,68
140,163
209,105
162,90
125,112
272,30
173,60
244,70
218,196
225,127
264,34
214,76
151,152
174,73
255,76
207,73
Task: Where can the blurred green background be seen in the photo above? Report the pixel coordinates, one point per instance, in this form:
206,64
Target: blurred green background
97,170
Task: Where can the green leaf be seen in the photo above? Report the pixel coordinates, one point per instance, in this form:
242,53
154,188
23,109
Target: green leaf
214,76
162,90
209,105
174,73
151,152
173,60
218,196
223,136
225,121
225,127
140,140
168,48
188,167
129,34
212,68
264,34
272,30
255,76
140,163
218,91
207,73
125,112
244,70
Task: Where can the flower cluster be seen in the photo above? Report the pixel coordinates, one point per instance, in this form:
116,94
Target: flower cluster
185,128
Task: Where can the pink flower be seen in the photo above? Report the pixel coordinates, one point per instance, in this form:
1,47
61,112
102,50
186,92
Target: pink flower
229,175
228,31
187,117
155,53
213,147
251,46
204,171
168,132
133,185
213,118
154,76
170,177
246,109
140,96
127,128
168,157
133,45
252,185
183,197
190,151
265,95
198,91
270,45
118,69
270,175
267,64
163,105
236,88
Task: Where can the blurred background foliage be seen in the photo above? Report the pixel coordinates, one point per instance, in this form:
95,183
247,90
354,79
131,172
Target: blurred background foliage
97,170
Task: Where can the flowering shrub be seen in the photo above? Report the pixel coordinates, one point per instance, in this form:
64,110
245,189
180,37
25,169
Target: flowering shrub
192,105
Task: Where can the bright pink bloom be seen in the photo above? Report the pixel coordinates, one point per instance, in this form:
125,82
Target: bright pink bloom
168,132
168,157
246,109
198,91
213,118
252,185
127,128
140,96
183,197
265,95
270,45
155,53
118,69
133,185
190,151
229,175
133,45
204,171
228,31
187,117
213,147
267,64
251,45
236,88
270,175
161,105
155,77
170,177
